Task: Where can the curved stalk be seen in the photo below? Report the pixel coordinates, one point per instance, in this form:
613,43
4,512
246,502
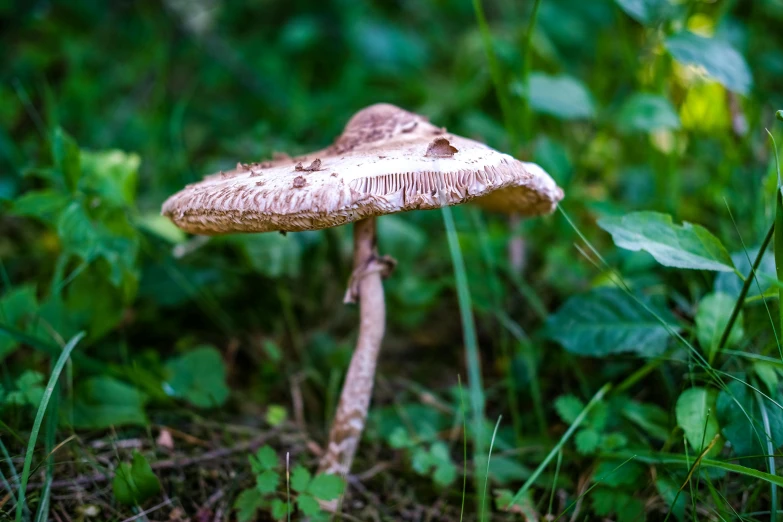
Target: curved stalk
366,286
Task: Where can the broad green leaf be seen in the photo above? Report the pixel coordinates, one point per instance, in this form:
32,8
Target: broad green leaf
264,459
103,401
111,237
66,156
445,473
17,306
607,321
647,12
247,504
721,61
651,418
278,509
326,487
741,421
266,481
563,97
308,505
300,478
644,112
608,501
587,441
687,246
712,317
507,469
697,416
45,205
135,483
618,473
111,174
569,407
199,377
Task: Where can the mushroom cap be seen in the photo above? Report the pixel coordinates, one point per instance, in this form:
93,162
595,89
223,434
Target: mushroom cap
386,160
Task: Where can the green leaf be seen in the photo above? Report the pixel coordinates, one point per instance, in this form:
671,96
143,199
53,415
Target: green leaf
45,205
741,421
607,321
267,481
112,238
647,12
17,306
422,461
644,112
199,377
676,500
278,509
569,407
326,487
563,97
652,419
505,469
697,416
721,61
308,505
445,473
587,441
711,319
687,246
247,504
66,156
618,473
300,478
264,459
111,174
275,415
607,501
29,389
135,483
103,401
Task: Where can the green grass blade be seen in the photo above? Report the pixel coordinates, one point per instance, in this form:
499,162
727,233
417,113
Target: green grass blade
464,447
475,387
778,230
489,456
567,435
526,116
28,459
677,459
495,72
771,457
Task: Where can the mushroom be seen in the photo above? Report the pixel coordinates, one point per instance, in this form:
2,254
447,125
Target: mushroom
386,160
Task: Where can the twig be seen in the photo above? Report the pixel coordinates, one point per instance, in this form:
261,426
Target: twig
168,463
148,511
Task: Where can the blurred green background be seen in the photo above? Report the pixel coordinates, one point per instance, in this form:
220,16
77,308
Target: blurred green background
630,105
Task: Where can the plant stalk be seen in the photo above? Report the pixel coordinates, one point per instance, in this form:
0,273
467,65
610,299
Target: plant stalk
744,292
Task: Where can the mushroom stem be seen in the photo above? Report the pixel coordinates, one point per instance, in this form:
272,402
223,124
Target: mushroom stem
366,286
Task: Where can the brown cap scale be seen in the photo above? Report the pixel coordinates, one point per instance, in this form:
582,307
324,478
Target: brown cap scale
386,160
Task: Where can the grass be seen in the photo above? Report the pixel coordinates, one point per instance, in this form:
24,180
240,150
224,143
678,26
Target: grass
48,392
